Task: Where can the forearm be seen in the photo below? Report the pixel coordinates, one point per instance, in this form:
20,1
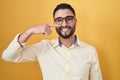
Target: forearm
25,36
41,29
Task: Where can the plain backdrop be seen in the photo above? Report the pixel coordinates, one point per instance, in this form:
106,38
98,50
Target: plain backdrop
98,23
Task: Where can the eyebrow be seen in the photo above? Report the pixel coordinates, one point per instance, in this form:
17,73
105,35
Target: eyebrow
64,17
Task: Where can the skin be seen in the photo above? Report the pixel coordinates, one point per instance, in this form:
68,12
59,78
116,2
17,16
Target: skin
45,29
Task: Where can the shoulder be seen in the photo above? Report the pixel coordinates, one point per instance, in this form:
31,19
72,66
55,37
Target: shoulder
89,49
86,45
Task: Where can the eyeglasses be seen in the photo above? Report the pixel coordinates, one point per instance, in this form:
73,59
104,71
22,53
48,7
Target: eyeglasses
68,19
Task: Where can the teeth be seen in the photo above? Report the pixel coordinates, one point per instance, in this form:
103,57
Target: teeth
65,29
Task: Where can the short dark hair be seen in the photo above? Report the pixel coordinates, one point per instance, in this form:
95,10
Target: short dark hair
63,6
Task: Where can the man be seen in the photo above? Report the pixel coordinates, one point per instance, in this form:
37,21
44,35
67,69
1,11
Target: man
64,58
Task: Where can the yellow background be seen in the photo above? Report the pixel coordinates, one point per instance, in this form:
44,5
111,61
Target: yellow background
98,24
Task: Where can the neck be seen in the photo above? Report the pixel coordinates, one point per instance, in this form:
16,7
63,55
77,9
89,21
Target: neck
67,42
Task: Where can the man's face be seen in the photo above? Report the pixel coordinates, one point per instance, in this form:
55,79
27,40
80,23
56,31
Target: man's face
67,20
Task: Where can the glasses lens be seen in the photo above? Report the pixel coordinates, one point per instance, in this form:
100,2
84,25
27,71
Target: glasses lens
69,19
59,20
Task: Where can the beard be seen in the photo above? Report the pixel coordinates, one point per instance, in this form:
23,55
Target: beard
65,36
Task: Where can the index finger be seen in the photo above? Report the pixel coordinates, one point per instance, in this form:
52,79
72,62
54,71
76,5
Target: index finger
54,25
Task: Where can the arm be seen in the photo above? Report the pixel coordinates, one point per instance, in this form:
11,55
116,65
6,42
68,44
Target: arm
15,53
95,72
41,29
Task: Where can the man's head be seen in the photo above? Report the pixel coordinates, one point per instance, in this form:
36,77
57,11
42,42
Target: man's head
64,15
63,6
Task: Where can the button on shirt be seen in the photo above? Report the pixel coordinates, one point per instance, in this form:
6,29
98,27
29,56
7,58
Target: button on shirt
57,62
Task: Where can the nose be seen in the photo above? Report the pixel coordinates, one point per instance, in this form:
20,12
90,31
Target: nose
64,23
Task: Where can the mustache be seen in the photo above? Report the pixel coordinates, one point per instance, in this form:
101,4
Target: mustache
60,28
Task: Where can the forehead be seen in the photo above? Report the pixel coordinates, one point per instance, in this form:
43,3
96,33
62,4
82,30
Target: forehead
63,13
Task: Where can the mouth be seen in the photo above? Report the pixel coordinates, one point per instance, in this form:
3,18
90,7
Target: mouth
65,30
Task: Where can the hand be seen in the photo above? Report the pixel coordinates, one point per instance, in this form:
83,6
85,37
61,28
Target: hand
41,29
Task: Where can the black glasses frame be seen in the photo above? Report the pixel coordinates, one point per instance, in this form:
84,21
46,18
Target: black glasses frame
68,19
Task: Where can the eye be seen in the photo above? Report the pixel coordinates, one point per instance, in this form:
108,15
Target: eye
58,19
69,18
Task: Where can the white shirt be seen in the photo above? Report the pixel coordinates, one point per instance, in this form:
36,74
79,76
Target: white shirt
79,62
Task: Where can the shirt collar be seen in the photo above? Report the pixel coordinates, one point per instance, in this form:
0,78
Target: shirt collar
58,43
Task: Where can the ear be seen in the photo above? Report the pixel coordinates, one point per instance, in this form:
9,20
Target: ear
75,20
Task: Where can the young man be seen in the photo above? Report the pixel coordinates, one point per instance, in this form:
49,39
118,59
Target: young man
64,58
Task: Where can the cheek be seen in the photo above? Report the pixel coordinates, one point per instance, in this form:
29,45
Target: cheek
73,24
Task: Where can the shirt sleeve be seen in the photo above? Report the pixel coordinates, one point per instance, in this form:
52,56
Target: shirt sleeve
15,53
95,72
